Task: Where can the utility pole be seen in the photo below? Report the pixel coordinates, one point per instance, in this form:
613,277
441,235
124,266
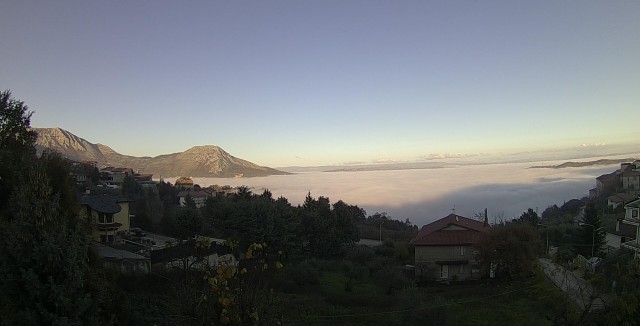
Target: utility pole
593,237
546,227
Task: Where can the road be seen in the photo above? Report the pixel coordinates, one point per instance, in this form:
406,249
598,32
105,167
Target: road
579,290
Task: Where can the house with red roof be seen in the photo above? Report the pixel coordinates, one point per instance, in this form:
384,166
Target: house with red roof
444,248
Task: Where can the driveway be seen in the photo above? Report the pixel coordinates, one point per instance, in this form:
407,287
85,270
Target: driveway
578,290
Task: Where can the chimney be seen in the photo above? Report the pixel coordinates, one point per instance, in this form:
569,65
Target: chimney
457,220
486,218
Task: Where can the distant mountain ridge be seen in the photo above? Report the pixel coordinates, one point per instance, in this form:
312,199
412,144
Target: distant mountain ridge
583,164
198,161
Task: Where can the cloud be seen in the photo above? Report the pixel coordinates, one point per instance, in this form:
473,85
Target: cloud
591,145
440,156
424,195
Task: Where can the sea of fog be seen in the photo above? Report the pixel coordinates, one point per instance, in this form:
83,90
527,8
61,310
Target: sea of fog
424,195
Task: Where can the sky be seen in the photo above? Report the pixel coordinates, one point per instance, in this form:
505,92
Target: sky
283,83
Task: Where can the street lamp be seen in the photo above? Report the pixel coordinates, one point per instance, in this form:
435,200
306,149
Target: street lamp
546,227
593,239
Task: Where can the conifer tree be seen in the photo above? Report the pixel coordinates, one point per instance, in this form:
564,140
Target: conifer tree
590,236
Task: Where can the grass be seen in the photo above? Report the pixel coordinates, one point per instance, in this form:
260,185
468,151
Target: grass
521,302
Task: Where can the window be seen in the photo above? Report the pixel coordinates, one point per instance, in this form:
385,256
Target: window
444,271
103,238
461,250
109,218
634,213
110,237
100,218
461,269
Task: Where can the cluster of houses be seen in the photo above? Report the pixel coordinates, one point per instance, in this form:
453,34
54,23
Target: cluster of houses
108,217
624,187
444,249
198,194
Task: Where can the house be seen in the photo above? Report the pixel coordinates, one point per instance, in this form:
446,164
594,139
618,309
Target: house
143,177
619,234
630,178
105,216
444,248
607,183
122,261
184,183
199,197
632,218
621,199
115,176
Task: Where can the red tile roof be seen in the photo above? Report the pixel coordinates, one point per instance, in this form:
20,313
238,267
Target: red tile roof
433,234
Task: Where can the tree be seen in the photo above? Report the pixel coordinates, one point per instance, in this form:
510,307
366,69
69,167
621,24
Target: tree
530,216
512,247
184,222
43,259
43,250
590,237
17,143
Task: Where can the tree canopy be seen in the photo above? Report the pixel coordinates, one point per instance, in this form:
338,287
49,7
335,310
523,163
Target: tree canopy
43,251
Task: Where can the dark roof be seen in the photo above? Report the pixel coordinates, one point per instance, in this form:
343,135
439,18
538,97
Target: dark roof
622,198
194,194
104,204
626,230
433,234
633,204
143,177
107,252
608,177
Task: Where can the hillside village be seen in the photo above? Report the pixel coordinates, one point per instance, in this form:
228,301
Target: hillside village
449,250
114,246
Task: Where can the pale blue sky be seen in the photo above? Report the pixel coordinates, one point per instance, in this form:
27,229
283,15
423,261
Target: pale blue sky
323,82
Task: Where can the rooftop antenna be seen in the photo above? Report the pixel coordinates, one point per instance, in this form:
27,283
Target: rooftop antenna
453,210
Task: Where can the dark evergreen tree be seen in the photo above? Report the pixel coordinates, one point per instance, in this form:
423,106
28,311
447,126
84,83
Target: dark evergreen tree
512,247
530,216
43,249
17,142
43,259
590,237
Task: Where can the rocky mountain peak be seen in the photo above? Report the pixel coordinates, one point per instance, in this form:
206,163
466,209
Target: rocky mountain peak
198,161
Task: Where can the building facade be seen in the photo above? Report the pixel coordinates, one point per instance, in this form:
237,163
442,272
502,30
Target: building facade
444,249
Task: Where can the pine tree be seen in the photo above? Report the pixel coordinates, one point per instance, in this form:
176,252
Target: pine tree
590,236
43,259
43,251
17,143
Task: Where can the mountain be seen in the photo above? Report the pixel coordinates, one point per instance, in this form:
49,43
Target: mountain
583,164
198,161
